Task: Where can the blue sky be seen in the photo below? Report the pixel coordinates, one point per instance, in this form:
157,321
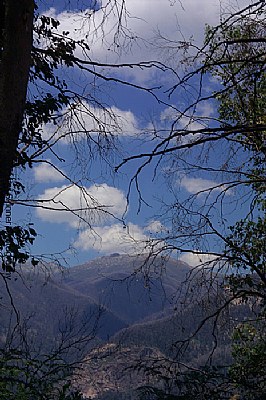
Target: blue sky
136,112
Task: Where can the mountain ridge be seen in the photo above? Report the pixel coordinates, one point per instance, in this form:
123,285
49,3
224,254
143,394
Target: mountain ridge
138,305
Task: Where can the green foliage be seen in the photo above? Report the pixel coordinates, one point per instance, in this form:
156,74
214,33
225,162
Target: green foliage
41,107
202,384
237,59
247,248
234,55
248,371
13,246
23,377
50,92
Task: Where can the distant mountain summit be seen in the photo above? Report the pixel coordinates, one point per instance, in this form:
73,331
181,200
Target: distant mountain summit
133,288
122,288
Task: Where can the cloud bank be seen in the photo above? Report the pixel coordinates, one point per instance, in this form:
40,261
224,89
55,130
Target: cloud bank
197,260
45,173
141,31
119,238
97,212
80,120
77,207
201,186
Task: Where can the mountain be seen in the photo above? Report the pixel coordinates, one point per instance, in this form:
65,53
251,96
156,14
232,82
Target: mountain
118,290
132,310
113,372
46,307
133,288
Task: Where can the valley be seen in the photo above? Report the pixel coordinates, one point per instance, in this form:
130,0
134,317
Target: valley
123,320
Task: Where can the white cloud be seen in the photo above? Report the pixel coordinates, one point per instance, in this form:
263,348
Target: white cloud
197,185
205,109
46,173
94,205
168,115
192,124
129,239
97,206
155,227
195,260
197,121
173,19
81,119
143,20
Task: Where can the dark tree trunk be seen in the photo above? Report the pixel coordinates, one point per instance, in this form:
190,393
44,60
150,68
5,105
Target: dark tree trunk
15,61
